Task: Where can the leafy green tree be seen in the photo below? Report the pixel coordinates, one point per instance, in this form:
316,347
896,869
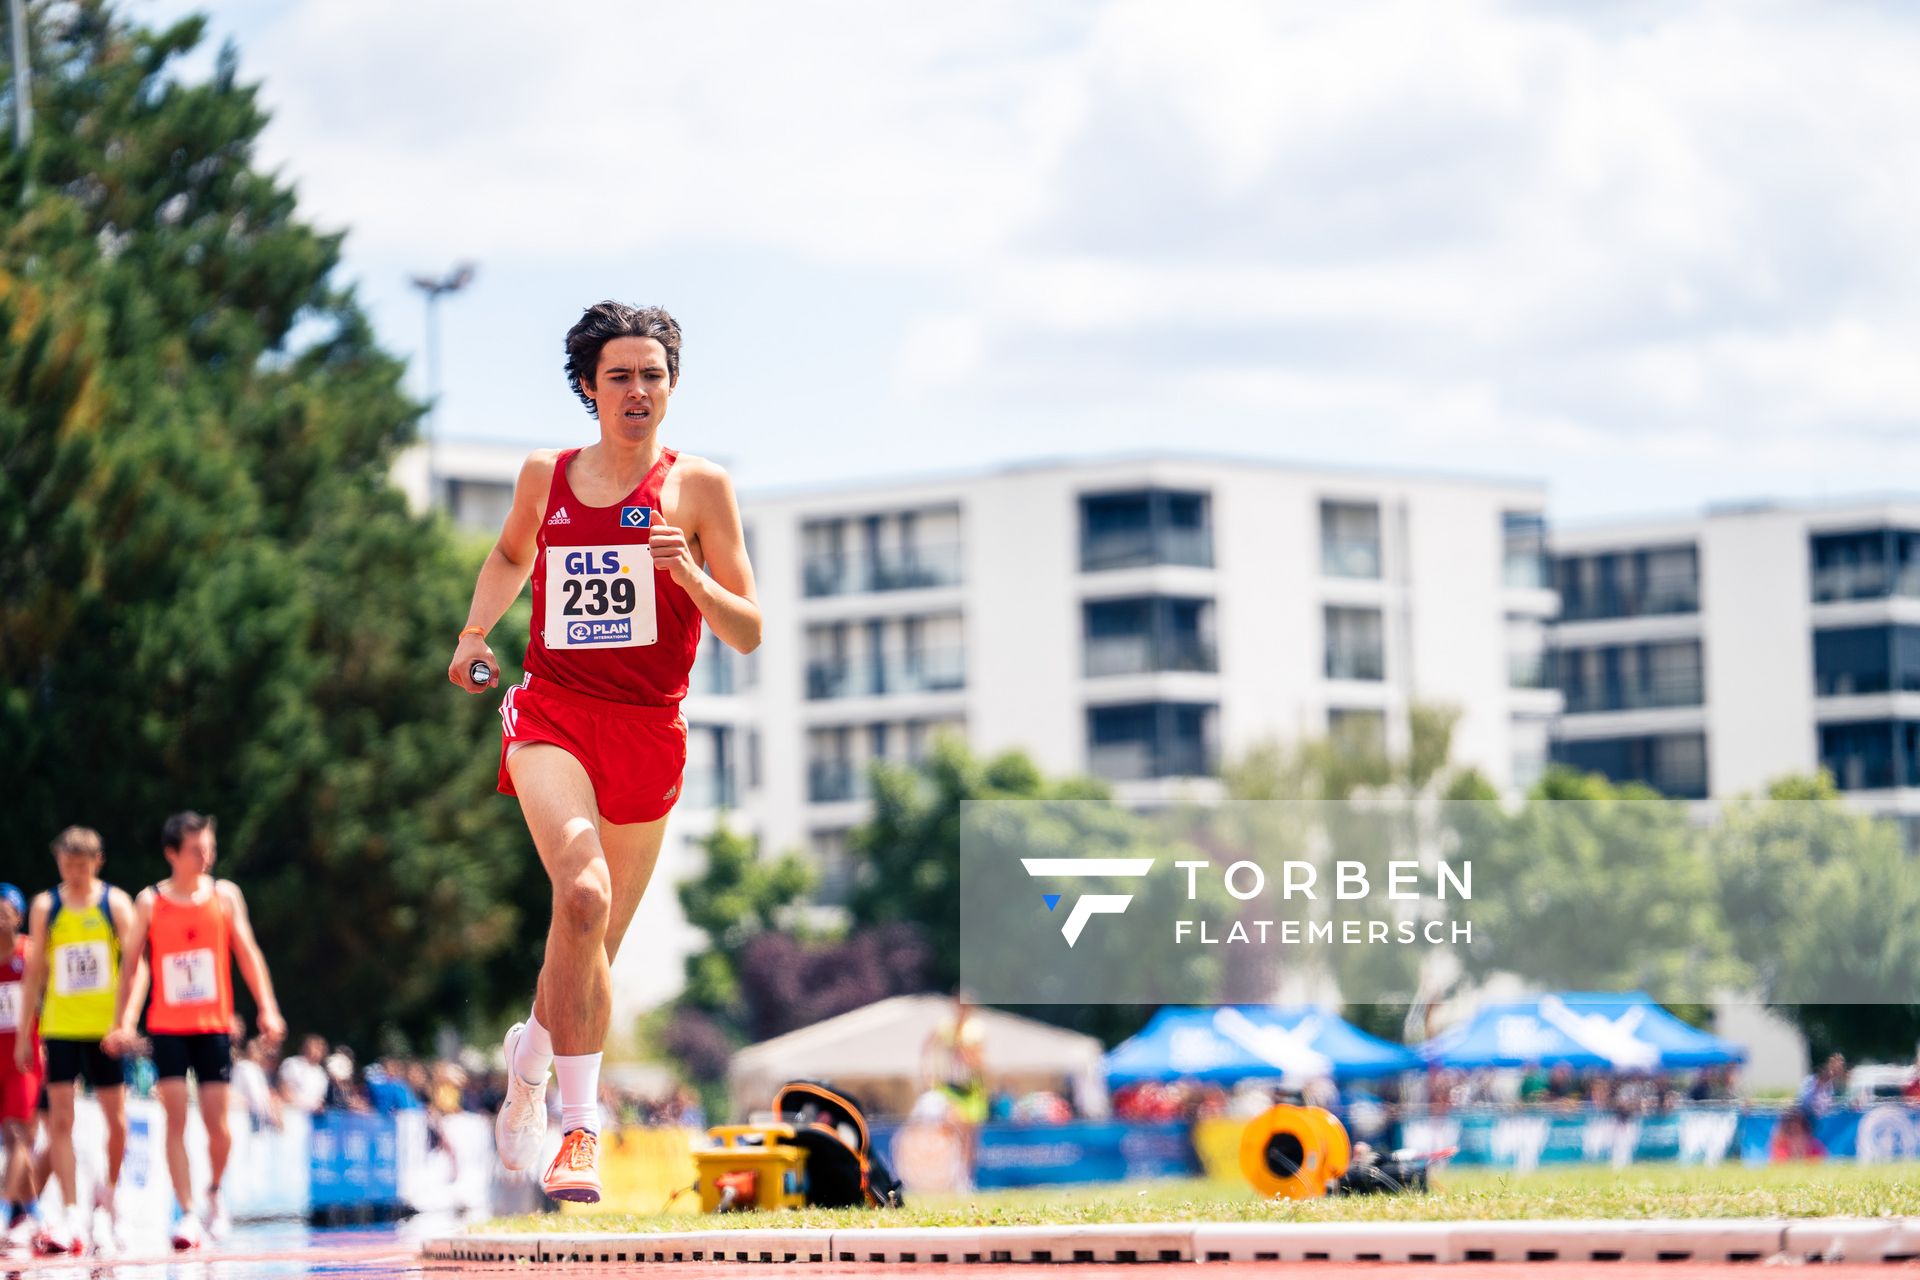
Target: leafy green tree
1819,901
736,898
1595,886
210,594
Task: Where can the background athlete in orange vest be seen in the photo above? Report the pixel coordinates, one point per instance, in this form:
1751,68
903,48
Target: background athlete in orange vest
190,928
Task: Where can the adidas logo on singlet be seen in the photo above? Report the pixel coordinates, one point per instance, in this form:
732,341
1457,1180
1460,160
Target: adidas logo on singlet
559,517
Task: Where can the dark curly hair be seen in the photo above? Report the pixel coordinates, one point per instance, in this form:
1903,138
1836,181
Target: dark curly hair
600,324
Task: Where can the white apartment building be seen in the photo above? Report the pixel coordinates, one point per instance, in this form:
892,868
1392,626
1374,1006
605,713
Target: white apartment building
1708,656
1137,619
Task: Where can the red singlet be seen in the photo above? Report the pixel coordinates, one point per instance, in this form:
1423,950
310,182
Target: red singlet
606,623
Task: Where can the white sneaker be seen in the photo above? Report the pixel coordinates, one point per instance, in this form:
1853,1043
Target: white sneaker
521,1127
106,1235
219,1225
187,1233
20,1234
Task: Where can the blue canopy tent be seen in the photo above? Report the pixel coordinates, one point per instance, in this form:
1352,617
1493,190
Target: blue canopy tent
1244,1042
1584,1029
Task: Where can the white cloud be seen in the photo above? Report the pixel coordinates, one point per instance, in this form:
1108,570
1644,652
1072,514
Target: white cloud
1670,228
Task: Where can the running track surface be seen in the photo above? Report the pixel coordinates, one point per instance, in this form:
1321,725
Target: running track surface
391,1261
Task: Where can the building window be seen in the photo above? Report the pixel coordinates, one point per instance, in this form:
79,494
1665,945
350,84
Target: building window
889,551
708,781
1632,677
919,653
833,773
1628,584
1532,749
1672,763
1152,740
1871,755
1356,644
714,672
1524,561
1350,539
1527,662
479,504
1855,660
1149,633
1866,564
834,862
1144,527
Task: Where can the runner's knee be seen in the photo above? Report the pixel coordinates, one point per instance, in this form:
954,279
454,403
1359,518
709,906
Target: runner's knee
586,901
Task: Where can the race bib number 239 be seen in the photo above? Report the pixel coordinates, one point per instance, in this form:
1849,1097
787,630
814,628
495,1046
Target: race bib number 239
599,598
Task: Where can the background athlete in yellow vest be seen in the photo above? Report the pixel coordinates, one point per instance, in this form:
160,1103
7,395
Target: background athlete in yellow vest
80,930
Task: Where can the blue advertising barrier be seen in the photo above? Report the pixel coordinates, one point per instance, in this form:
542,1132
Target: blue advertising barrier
1883,1133
1034,1155
355,1162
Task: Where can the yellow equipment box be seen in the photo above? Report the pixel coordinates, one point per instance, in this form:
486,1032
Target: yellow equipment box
750,1167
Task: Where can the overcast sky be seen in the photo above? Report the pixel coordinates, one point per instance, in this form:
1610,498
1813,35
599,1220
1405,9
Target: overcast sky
1653,254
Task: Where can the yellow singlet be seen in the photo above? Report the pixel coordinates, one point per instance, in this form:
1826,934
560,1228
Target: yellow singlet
83,971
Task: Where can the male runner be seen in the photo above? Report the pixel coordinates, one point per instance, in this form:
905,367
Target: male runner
614,536
19,1090
78,934
194,927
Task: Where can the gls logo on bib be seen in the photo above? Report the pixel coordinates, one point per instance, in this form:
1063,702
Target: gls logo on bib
636,517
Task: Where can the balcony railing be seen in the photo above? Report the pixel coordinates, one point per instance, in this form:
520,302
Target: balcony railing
932,671
1864,582
1356,662
905,570
1137,655
1528,671
1132,548
708,789
1672,691
1133,761
829,781
1527,570
1350,557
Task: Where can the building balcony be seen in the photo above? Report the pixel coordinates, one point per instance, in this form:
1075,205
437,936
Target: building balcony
1139,655
1680,691
935,671
1133,548
1356,662
832,781
1136,761
709,789
1350,557
915,568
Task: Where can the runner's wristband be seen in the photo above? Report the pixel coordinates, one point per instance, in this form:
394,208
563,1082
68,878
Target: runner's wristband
473,631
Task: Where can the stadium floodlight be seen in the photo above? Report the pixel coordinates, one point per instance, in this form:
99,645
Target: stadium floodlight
435,288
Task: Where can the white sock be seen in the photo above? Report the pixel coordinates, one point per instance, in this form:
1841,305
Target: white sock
533,1052
579,1091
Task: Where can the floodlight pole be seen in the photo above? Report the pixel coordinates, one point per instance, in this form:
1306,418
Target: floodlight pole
22,75
435,288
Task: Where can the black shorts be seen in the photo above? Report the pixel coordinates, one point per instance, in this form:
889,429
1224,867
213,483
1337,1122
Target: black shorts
210,1055
69,1060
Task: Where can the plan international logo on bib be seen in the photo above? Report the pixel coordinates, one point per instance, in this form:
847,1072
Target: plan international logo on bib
1087,905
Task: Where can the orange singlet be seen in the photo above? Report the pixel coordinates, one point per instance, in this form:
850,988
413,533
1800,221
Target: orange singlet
190,948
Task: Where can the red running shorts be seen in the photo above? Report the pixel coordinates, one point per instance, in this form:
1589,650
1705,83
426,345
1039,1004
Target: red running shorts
634,755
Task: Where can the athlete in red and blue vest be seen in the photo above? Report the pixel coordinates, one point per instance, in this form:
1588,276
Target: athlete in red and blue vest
631,547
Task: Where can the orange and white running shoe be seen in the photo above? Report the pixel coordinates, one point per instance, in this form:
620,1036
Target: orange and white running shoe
575,1171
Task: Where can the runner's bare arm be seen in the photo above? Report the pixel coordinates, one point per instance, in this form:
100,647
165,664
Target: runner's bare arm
133,970
33,983
253,963
723,591
507,568
121,907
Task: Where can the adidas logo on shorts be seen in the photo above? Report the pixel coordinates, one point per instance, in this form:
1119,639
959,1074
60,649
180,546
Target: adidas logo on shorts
559,517
672,791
